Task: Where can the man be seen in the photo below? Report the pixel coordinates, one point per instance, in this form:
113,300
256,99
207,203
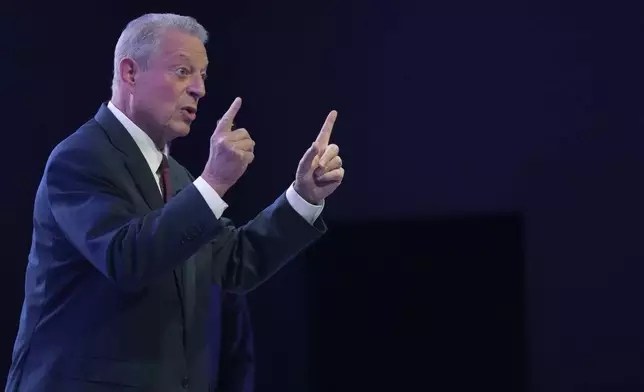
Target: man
126,244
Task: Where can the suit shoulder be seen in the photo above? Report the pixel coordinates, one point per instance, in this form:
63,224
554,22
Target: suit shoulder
79,157
85,154
87,140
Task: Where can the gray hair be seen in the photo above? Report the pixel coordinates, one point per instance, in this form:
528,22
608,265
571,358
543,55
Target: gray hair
142,36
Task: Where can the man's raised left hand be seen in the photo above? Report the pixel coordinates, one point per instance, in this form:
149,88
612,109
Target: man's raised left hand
320,171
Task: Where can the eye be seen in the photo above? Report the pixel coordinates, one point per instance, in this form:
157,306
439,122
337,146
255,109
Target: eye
183,71
204,76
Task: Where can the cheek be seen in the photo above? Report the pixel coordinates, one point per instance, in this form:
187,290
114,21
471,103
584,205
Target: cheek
170,97
162,104
162,98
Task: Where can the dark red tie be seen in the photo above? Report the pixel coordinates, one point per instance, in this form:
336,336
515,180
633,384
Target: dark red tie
166,187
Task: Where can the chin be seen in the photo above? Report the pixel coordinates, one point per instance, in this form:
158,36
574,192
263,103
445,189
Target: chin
180,130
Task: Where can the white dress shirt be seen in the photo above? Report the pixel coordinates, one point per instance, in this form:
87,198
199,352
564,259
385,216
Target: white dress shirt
153,156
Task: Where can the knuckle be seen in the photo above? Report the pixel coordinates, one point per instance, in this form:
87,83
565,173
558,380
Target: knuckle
217,139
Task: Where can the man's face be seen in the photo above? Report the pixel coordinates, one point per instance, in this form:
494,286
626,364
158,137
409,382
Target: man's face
166,94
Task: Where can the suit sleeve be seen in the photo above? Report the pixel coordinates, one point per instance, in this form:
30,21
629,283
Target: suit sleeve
132,249
128,248
245,257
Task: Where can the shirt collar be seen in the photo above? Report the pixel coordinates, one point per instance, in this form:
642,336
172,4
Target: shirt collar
149,150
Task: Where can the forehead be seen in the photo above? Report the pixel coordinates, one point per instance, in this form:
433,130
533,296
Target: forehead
177,46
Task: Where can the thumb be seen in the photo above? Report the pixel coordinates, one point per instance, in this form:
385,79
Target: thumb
226,122
307,160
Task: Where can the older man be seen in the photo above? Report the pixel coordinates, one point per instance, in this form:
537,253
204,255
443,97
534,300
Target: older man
121,265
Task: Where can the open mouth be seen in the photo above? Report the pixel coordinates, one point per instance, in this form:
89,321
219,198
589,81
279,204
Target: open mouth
190,111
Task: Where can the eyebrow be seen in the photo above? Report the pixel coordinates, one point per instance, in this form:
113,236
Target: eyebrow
183,56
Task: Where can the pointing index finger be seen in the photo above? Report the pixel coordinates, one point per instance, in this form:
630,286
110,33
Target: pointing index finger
325,133
228,118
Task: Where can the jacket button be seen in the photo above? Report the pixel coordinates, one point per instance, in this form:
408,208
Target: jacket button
185,383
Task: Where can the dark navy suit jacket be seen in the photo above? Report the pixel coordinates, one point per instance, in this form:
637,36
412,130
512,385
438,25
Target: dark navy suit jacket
118,285
232,349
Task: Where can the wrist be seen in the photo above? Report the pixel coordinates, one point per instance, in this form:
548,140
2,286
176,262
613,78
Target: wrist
304,195
220,187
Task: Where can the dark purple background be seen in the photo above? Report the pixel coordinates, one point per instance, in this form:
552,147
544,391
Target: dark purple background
454,110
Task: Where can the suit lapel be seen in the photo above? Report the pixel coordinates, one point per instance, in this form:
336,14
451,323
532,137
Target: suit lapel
143,178
145,182
134,159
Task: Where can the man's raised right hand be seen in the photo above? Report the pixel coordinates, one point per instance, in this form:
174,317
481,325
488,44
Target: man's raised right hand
230,152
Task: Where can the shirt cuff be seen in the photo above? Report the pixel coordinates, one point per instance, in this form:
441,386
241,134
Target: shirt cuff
308,211
215,202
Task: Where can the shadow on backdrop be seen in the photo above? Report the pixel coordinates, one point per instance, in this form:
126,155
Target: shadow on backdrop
428,304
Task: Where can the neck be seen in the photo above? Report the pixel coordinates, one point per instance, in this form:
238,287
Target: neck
124,103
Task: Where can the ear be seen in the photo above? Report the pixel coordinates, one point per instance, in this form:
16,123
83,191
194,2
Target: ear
128,71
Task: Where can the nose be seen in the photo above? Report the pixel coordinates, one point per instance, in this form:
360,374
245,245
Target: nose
197,88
